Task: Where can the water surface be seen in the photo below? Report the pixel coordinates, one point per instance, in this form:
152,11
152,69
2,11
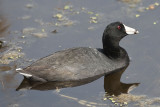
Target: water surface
34,30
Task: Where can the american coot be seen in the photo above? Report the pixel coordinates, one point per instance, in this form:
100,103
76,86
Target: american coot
83,62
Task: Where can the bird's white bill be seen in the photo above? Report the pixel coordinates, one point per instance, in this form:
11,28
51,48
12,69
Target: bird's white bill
130,30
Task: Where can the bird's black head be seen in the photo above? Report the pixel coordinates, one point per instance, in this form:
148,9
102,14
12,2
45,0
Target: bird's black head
116,31
112,35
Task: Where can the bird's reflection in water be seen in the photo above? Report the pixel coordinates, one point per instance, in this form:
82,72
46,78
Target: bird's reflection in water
4,68
112,84
35,85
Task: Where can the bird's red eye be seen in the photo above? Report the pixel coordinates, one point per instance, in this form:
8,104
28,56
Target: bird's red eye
119,27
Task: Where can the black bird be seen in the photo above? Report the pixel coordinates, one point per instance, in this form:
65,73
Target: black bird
83,62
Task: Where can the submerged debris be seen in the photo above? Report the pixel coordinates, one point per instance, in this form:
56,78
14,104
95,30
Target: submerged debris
54,31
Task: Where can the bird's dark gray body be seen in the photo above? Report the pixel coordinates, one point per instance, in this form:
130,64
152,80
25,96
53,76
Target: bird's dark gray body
74,64
82,63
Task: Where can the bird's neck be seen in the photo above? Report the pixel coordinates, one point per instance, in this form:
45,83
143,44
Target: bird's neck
113,50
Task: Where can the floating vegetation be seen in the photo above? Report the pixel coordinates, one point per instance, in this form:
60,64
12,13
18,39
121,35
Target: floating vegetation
39,21
63,20
29,6
90,12
135,5
10,56
93,20
34,32
136,100
40,35
91,28
121,100
146,9
137,15
131,1
152,6
28,30
58,15
26,17
67,11
67,7
154,102
155,22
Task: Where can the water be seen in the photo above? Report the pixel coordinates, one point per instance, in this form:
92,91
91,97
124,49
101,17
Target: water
22,19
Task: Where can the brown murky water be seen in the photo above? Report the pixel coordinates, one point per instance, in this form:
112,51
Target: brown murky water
32,29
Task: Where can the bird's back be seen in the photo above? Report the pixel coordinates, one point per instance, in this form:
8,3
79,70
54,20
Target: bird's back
74,64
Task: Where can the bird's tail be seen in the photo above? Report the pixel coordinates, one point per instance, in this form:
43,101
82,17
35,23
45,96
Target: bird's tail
21,71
